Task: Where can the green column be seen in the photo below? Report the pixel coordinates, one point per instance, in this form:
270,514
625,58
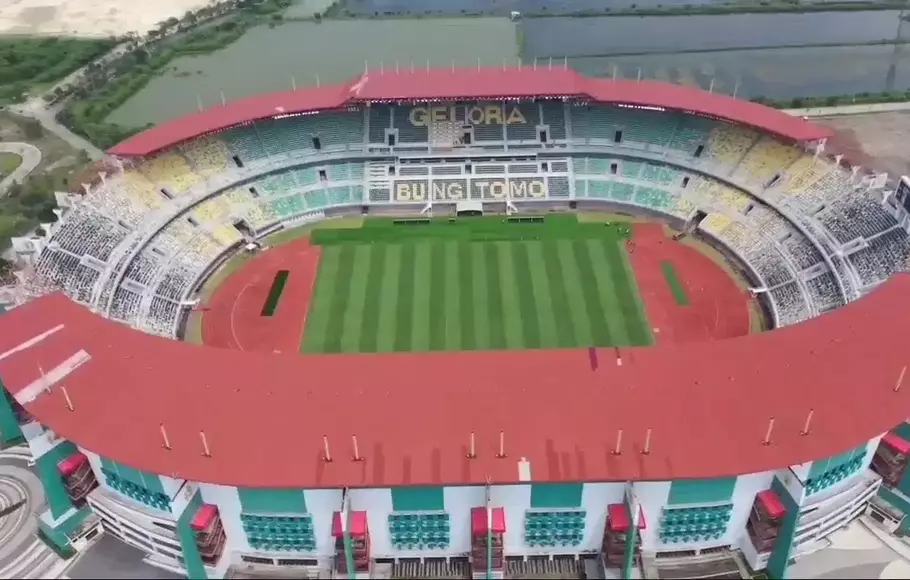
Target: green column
195,569
10,431
779,561
631,538
346,539
57,497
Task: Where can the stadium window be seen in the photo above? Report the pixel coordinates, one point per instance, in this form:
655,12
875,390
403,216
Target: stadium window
237,161
544,167
322,175
468,168
699,150
165,193
617,137
773,181
614,168
253,192
391,139
391,170
193,222
685,182
543,136
317,144
467,138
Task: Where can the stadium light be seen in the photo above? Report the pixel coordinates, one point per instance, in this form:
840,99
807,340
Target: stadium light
767,439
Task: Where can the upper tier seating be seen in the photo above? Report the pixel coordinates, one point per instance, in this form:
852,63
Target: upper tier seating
636,166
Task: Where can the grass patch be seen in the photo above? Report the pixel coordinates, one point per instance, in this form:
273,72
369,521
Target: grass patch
275,291
676,285
474,284
8,163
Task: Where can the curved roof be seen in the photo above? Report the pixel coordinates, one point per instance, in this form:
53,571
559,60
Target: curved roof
470,84
264,415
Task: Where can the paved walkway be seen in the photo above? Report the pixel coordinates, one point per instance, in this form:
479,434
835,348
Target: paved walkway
859,552
22,553
31,157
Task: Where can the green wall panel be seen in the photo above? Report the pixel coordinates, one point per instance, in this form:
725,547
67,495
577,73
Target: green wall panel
149,481
10,431
418,499
195,569
823,466
697,491
57,499
272,501
556,495
59,536
779,560
903,431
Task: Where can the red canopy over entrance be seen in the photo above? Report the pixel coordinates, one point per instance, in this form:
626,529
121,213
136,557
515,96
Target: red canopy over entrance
619,517
479,520
358,521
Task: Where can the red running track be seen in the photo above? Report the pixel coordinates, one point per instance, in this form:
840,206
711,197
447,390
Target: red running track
234,314
717,309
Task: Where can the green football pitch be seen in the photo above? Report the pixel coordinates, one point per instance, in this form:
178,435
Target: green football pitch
474,284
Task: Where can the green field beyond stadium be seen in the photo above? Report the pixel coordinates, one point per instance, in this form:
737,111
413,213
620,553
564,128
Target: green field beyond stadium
474,284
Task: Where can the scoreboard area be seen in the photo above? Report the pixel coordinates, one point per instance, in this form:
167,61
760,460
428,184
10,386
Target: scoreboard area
422,181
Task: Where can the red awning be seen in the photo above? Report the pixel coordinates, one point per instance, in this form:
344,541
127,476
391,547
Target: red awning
771,503
358,521
479,520
896,443
206,514
71,464
619,517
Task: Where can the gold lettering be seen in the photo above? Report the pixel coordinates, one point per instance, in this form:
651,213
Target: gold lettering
538,188
518,188
438,114
419,191
482,186
493,115
516,118
439,190
498,189
455,190
418,117
403,191
475,116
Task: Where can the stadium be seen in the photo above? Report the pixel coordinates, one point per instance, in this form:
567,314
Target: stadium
465,323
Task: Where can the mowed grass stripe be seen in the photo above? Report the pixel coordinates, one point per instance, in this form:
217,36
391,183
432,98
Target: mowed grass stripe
369,324
438,296
357,294
454,297
480,297
509,291
404,312
467,339
388,299
493,293
606,285
629,296
565,331
339,299
574,294
317,324
420,333
526,297
600,332
548,336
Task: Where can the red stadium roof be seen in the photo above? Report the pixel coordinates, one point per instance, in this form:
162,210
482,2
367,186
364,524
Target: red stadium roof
264,415
470,84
